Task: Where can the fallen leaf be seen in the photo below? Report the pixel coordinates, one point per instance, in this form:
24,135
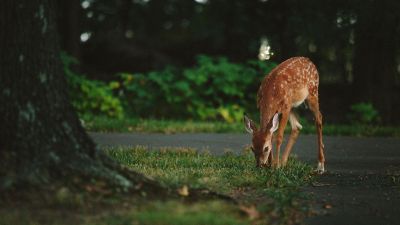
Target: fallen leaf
183,191
250,211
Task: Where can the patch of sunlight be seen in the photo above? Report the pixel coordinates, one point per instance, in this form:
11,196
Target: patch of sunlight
265,52
201,1
85,36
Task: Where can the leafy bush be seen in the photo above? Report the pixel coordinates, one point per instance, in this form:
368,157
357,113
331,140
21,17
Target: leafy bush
90,97
214,89
363,113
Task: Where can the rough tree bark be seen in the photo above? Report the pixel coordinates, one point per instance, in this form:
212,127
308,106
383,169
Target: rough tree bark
41,138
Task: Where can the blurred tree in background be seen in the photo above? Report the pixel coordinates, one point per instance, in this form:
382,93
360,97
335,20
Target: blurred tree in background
353,43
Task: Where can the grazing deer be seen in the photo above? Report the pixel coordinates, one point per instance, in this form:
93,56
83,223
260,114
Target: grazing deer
286,87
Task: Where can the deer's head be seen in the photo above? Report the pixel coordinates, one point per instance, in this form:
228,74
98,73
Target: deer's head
261,140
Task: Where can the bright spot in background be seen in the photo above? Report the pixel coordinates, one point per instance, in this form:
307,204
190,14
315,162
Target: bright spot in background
141,1
201,1
85,4
85,36
89,14
265,50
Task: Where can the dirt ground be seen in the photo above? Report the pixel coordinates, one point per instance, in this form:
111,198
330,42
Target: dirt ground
361,185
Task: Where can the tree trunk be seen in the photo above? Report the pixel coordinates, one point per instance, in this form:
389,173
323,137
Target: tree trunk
41,138
375,55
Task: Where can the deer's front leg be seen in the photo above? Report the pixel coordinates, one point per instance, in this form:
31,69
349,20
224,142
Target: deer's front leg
296,127
279,137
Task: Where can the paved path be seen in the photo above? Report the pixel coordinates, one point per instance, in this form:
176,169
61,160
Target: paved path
362,185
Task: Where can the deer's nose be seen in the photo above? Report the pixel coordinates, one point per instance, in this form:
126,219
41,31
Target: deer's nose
261,165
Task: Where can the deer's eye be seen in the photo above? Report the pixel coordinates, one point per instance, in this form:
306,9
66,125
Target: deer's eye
266,149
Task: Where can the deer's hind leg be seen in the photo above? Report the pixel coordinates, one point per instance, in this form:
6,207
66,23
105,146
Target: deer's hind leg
296,127
312,101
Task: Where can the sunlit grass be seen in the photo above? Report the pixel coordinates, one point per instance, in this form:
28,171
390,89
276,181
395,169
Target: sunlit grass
273,191
102,124
262,195
201,170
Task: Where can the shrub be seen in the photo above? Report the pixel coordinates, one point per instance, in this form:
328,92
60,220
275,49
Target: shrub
90,97
363,113
214,89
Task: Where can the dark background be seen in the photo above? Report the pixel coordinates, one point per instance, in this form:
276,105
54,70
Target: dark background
355,44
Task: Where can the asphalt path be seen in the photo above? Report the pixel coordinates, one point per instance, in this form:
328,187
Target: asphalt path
361,185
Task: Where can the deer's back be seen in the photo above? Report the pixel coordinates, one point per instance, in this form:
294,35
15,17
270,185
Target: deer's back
289,83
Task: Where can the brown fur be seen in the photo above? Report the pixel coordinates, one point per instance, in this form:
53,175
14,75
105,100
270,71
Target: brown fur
287,86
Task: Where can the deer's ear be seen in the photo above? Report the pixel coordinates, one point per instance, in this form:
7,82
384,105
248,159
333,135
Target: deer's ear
275,123
249,125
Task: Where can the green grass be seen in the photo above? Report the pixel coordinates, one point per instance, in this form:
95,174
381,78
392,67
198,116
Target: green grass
171,212
176,213
274,192
202,170
263,196
103,124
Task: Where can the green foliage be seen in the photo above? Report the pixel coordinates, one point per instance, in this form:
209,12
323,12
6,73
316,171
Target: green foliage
90,97
363,113
214,89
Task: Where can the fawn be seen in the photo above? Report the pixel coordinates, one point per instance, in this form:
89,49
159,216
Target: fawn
286,87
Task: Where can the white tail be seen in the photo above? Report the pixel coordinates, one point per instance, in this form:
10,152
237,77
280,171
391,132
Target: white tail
286,87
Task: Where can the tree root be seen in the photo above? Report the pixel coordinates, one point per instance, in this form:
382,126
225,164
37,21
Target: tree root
102,176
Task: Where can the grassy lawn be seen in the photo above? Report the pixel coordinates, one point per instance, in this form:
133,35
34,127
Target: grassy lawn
246,195
102,124
263,196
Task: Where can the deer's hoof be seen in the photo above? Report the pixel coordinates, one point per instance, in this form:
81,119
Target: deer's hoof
320,168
